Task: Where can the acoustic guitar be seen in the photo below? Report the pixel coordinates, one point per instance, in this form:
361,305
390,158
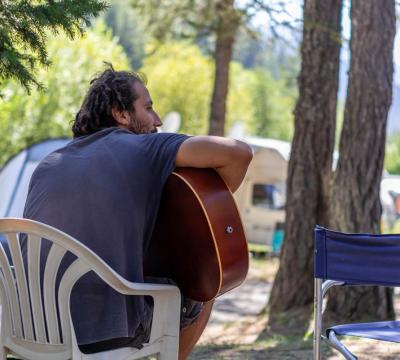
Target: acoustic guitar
198,239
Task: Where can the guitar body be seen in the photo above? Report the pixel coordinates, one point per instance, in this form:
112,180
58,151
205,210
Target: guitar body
198,239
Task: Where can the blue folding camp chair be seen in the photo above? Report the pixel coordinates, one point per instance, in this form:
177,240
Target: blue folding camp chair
353,259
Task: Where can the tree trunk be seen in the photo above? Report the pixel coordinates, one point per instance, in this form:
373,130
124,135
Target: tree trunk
355,205
311,156
228,23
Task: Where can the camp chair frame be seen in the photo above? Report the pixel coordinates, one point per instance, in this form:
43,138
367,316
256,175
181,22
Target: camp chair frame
320,289
353,259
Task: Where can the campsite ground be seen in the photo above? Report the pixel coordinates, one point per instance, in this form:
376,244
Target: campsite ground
238,328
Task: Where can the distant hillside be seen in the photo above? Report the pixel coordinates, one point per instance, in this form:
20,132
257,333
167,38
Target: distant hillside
394,113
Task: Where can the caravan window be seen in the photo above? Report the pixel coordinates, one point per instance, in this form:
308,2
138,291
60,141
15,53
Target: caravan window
268,196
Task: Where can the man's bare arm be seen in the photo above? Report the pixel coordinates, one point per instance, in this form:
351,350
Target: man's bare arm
229,157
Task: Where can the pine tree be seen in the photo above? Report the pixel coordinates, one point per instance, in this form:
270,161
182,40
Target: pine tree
24,26
311,158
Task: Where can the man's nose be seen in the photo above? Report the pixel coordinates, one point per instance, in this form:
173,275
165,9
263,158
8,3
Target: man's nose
157,121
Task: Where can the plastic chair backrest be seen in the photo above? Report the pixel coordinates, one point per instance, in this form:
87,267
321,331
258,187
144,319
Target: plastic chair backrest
31,326
30,323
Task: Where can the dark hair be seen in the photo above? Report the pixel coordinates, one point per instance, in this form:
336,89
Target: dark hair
111,89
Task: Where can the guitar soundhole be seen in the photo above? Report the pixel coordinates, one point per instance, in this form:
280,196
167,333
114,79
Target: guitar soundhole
229,229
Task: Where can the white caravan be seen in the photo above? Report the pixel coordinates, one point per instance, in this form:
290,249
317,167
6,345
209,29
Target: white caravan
262,196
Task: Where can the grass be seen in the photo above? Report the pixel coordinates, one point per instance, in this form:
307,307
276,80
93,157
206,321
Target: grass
274,347
263,268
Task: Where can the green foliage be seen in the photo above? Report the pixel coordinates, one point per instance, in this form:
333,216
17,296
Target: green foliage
26,119
249,48
180,79
127,26
240,104
206,20
24,28
180,19
339,122
254,48
392,155
273,84
273,104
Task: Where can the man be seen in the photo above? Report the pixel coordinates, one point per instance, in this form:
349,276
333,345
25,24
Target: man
104,189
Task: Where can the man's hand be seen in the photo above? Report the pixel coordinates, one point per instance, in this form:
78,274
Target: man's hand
229,157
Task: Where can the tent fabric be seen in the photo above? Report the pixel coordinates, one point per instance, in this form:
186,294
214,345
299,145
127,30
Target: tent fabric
357,258
16,174
15,177
383,330
8,179
38,151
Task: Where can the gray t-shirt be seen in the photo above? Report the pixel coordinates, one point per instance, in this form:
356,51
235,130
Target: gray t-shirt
104,189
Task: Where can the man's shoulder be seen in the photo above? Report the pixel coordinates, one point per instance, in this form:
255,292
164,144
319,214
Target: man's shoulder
162,138
147,142
116,141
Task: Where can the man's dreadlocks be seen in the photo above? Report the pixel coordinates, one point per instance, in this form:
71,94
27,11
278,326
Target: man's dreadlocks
111,89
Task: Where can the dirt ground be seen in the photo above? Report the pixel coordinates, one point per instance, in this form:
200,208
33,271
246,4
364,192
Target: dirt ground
250,338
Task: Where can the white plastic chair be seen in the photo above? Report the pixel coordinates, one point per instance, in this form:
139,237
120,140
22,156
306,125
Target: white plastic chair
23,321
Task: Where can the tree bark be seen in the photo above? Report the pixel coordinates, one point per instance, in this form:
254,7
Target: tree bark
228,23
355,205
311,156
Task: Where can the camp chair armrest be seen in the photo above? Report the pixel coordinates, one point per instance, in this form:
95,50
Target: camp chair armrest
327,284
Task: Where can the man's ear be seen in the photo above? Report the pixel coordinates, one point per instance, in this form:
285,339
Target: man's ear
121,117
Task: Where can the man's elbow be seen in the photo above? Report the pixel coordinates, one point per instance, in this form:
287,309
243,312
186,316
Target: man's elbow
244,153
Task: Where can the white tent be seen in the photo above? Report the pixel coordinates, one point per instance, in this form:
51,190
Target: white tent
17,172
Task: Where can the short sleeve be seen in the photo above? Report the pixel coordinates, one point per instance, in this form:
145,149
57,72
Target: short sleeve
161,150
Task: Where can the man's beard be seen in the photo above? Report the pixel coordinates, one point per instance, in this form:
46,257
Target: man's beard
137,127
